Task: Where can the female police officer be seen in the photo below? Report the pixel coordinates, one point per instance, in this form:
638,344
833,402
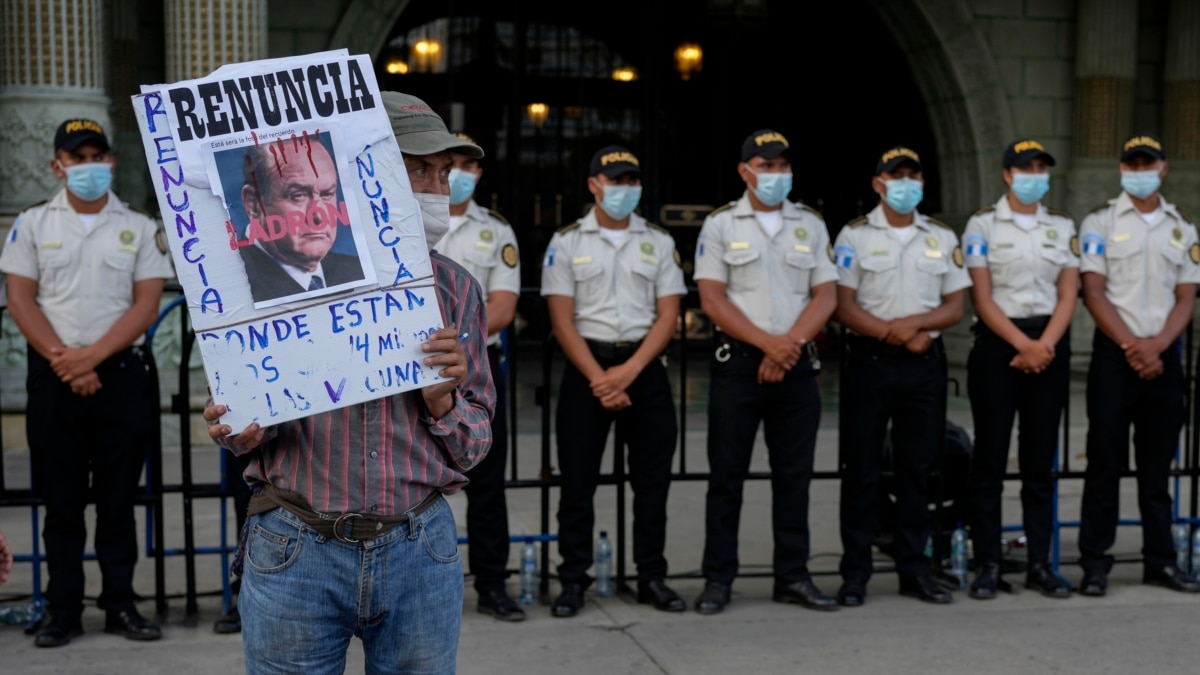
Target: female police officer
1024,285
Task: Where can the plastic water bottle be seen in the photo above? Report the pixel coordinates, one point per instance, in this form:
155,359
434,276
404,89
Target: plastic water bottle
604,583
24,613
1196,552
929,547
1179,533
959,555
529,573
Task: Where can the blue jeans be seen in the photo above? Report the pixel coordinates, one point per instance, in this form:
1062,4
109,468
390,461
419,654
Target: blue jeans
304,595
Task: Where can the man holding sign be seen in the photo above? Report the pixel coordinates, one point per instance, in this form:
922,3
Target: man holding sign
348,532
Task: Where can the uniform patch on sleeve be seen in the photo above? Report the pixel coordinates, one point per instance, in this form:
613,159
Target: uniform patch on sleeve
958,256
976,246
548,261
843,256
160,240
509,255
1093,244
1194,253
12,234
829,250
678,259
700,246
1075,246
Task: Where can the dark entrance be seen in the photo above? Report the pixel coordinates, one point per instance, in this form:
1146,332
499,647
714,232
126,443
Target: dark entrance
540,84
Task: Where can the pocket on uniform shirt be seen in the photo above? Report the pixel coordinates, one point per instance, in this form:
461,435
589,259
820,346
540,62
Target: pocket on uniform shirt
1175,259
1053,259
742,274
480,264
800,267
644,276
589,287
932,270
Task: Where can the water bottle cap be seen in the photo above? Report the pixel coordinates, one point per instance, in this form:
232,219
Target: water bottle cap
604,533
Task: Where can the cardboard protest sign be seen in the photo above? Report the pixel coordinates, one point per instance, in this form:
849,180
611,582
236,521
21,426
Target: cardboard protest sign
294,233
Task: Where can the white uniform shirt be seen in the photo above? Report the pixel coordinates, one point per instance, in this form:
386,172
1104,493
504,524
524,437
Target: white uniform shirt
894,279
616,290
1024,264
1142,263
85,277
486,246
768,278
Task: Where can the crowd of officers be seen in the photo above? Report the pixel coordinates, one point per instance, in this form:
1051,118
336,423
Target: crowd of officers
770,278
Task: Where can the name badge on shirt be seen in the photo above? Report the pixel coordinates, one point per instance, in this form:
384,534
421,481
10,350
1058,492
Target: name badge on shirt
1004,244
1122,237
649,259
739,245
129,249
933,254
802,248
879,251
51,244
484,245
581,260
1177,244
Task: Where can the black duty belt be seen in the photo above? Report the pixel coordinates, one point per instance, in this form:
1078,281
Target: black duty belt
613,350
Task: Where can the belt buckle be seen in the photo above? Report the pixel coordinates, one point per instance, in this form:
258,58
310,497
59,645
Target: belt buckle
337,528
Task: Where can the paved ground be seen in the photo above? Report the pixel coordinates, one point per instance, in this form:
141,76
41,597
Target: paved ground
1136,629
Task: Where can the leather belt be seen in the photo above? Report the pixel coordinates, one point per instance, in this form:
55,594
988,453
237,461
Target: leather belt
613,350
350,527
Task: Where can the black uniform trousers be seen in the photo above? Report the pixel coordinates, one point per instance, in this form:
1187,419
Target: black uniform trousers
789,412
89,447
883,382
1116,397
487,508
998,392
649,429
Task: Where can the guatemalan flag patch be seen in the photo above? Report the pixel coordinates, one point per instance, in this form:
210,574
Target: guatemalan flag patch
1093,244
843,256
976,245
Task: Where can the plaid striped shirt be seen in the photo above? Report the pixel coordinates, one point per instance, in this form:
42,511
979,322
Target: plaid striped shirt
383,457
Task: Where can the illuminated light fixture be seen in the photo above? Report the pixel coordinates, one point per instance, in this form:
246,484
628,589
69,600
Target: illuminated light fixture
427,47
624,74
397,67
538,112
689,59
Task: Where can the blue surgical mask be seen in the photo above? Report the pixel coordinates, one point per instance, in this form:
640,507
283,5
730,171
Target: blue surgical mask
462,186
89,181
772,188
1030,187
1141,184
903,194
620,200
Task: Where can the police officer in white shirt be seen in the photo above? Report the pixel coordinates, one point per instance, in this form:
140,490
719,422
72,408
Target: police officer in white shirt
767,282
1140,265
612,282
483,242
901,281
1025,281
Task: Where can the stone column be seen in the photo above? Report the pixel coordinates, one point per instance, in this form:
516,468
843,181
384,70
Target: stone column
1181,118
1105,67
52,67
203,35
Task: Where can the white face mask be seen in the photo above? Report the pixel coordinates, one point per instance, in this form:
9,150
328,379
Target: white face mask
435,216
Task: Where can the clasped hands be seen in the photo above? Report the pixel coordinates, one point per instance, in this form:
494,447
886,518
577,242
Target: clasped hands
77,367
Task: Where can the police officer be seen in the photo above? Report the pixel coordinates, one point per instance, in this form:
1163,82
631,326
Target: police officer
482,241
85,275
766,281
612,282
1140,266
1025,281
900,282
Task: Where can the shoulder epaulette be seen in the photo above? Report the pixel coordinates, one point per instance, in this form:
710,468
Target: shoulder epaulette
497,216
568,228
1060,214
135,209
939,223
1099,208
32,206
985,210
1186,218
659,228
719,209
811,210
861,220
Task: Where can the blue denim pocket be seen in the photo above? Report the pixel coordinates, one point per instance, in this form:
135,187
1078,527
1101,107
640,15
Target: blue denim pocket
268,551
440,537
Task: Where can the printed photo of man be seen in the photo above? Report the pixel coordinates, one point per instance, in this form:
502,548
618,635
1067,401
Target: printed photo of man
293,208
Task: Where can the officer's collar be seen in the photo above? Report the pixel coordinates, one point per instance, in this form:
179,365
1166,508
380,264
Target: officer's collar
1123,203
60,202
742,208
475,212
877,218
589,223
1004,211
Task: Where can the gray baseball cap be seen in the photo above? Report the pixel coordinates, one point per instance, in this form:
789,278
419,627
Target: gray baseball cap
419,130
